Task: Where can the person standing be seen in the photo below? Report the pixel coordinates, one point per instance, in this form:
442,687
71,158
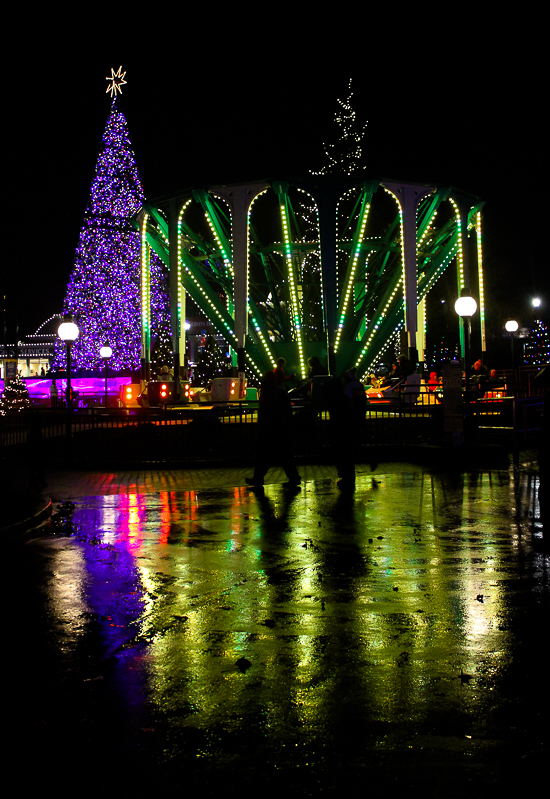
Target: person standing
342,432
279,372
54,395
274,433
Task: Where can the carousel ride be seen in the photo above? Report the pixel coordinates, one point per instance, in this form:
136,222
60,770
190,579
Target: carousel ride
338,267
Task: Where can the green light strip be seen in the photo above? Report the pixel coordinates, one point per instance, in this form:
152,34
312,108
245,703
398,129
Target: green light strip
145,282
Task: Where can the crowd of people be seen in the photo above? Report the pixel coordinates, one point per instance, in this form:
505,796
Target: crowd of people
346,398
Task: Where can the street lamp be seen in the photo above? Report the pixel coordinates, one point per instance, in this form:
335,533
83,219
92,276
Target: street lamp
105,352
466,306
68,332
512,327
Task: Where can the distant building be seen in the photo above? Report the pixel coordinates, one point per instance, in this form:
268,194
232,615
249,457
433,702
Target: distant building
34,352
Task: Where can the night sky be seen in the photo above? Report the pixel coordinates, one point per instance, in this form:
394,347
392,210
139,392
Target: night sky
210,99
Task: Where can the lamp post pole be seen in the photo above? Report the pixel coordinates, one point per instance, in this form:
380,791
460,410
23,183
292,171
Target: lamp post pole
512,327
466,306
105,352
68,332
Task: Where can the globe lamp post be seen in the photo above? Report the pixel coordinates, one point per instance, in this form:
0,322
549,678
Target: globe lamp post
68,332
105,352
512,327
466,306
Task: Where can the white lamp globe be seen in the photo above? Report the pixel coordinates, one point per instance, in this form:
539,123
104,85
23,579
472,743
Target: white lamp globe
465,306
105,352
67,331
511,326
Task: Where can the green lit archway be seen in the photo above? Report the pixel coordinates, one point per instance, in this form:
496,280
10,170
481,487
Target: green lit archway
335,267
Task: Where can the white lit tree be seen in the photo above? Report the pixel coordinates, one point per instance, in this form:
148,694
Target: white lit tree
344,155
343,158
15,397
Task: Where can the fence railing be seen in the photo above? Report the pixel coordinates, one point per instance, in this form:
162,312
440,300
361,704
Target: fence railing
220,432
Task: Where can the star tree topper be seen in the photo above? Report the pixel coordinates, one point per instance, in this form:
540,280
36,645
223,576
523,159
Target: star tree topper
117,81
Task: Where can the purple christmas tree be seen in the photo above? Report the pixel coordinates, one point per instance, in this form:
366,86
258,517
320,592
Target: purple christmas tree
104,290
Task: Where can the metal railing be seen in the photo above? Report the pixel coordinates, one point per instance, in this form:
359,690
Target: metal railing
219,431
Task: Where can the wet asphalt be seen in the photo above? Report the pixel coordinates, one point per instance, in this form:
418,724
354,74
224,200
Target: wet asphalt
176,630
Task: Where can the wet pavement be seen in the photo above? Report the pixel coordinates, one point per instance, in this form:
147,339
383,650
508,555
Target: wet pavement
177,630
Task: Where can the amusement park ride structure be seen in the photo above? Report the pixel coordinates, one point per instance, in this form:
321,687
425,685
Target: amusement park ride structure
338,267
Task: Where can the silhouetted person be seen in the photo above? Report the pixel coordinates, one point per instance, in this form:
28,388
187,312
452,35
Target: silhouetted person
342,432
404,367
279,372
478,379
316,368
274,432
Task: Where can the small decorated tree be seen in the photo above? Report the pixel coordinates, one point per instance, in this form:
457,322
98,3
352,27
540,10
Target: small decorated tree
537,348
15,397
211,364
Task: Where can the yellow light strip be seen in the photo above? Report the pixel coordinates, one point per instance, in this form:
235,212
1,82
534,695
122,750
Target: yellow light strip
480,280
427,229
350,285
460,255
293,296
226,258
180,260
378,323
393,338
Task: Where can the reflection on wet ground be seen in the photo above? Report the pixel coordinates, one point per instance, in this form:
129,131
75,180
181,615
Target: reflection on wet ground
392,639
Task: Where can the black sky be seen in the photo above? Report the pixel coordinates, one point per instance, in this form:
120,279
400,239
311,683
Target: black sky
217,99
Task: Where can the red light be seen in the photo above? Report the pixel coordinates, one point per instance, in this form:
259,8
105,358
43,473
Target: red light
163,393
163,386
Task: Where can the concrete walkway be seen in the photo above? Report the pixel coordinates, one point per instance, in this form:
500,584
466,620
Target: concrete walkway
72,483
171,629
